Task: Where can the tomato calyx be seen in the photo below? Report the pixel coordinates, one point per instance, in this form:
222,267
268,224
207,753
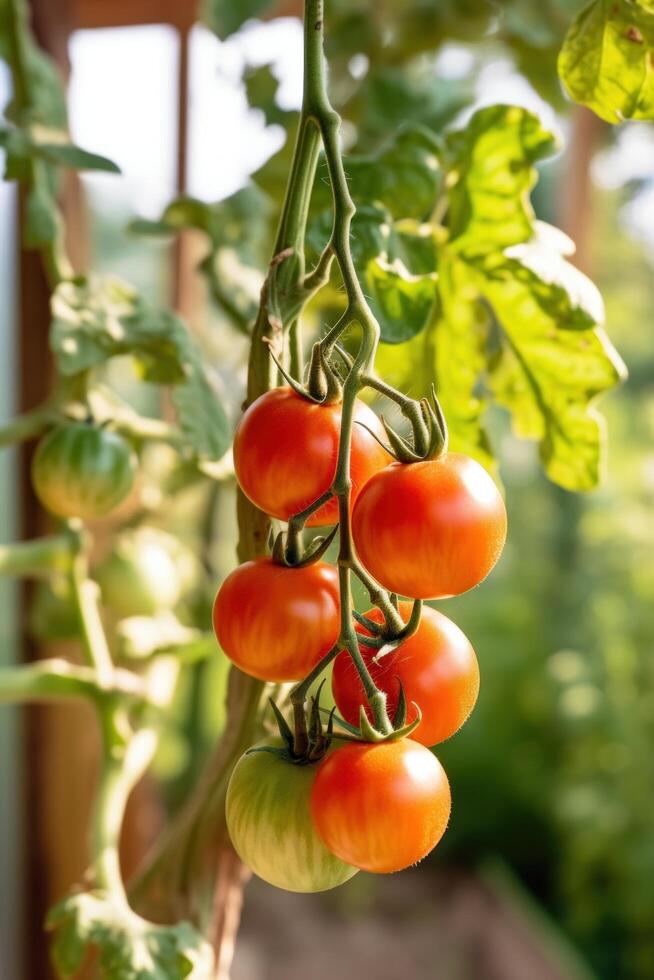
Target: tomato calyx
290,554
366,732
401,729
323,385
310,740
384,640
428,431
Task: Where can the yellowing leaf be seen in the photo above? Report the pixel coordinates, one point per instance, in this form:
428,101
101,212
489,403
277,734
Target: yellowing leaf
607,59
491,174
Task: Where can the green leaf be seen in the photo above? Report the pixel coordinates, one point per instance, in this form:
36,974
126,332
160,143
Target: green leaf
554,359
96,320
68,155
129,947
401,301
491,173
404,177
393,95
606,59
201,415
225,17
261,86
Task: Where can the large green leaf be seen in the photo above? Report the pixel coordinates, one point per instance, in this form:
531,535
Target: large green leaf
129,947
606,62
392,95
93,321
554,358
404,177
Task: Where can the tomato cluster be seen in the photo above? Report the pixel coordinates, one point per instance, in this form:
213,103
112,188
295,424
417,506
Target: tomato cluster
424,530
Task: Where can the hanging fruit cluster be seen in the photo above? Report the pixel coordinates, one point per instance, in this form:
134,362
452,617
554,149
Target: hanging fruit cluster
307,809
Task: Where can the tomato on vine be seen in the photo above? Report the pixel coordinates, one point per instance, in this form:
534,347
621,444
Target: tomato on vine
274,622
381,807
270,825
430,529
83,470
436,666
286,448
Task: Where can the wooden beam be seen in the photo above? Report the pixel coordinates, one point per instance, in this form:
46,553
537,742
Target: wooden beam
181,14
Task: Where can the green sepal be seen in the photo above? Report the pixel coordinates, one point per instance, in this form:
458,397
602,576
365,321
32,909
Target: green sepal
405,730
318,547
283,726
324,385
399,718
336,719
297,386
429,438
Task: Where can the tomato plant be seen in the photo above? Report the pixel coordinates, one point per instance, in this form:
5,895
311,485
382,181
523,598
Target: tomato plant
430,529
82,470
270,823
428,285
277,623
382,807
285,452
436,667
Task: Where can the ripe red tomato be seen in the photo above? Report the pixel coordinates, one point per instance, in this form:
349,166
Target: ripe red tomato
285,452
276,623
381,807
436,666
432,529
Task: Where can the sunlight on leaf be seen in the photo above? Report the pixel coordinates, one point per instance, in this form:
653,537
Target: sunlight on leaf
129,947
606,59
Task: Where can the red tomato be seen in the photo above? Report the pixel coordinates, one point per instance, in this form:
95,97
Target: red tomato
285,452
436,666
381,807
432,529
276,623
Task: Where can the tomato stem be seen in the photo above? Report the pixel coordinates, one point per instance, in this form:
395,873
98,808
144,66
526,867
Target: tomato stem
85,595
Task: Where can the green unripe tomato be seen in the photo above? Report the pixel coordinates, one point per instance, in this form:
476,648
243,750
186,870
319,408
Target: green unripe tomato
82,470
141,575
270,824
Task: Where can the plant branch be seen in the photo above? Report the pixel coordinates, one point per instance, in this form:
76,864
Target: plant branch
124,761
57,679
25,427
39,558
85,595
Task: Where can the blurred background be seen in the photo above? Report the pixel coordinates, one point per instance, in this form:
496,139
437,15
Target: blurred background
547,869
